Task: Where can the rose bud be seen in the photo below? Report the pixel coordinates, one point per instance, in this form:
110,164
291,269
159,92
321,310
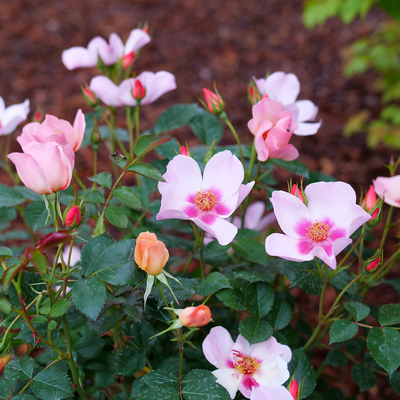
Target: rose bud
294,389
127,59
371,265
4,361
214,102
184,151
151,255
138,91
194,317
73,216
297,192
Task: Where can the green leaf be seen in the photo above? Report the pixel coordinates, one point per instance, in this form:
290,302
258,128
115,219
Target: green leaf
116,264
201,385
280,314
9,197
5,306
5,390
46,306
251,250
5,252
181,293
36,214
357,310
148,143
100,227
19,368
92,251
301,366
59,308
90,346
130,362
212,283
255,330
336,358
389,314
146,170
394,381
256,273
111,322
206,127
95,197
363,377
116,217
342,330
175,117
52,325
39,319
102,179
230,299
127,196
24,396
384,346
119,159
355,346
89,296
7,214
163,385
51,384
259,298
295,166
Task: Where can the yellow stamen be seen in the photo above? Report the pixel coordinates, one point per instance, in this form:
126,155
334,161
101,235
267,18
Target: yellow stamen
318,231
247,365
205,200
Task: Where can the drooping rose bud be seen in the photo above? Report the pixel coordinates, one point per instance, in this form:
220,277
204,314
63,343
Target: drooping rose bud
194,317
138,91
127,59
184,151
73,216
294,389
4,361
90,97
151,255
369,200
214,102
297,192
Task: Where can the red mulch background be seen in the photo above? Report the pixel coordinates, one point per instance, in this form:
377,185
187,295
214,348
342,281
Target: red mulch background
201,42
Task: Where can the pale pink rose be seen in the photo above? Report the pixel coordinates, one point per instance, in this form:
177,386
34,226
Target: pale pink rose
320,229
254,218
207,200
154,85
56,130
109,53
12,116
285,88
270,393
45,167
243,367
388,189
272,128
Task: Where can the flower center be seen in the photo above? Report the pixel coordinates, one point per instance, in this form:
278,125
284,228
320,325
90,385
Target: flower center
318,231
247,365
205,200
265,134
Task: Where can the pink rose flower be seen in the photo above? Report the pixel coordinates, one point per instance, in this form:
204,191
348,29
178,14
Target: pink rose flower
154,85
388,189
285,88
56,130
245,368
45,167
254,218
109,53
12,116
273,129
207,200
270,393
320,229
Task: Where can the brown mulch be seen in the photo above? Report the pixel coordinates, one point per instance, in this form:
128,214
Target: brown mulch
201,42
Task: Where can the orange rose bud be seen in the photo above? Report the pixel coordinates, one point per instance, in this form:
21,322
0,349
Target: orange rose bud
297,192
151,255
214,102
4,361
194,317
294,389
138,91
73,216
127,59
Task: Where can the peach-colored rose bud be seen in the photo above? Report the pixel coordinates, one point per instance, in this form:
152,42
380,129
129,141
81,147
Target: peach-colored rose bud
294,389
127,59
194,317
184,151
4,361
297,192
73,216
214,102
151,255
370,199
138,91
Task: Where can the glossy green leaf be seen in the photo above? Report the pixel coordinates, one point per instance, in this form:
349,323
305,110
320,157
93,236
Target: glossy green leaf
148,143
5,252
146,170
5,305
36,215
394,381
130,361
280,314
127,196
357,310
294,166
213,283
201,385
92,251
60,308
336,358
116,216
363,377
206,127
102,179
19,368
175,117
95,197
9,197
389,314
51,384
342,330
255,330
259,298
230,299
251,250
300,365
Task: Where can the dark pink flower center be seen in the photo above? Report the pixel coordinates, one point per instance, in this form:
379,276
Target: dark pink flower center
318,231
205,200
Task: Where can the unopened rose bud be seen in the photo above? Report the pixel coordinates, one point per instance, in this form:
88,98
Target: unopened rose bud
146,28
151,255
138,91
184,151
373,263
95,136
4,361
214,102
89,96
38,117
294,389
254,95
53,239
369,200
127,59
297,192
73,216
194,317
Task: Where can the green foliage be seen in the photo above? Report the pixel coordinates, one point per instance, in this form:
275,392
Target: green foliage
280,314
336,358
357,310
128,197
102,179
363,377
148,143
255,330
250,250
206,127
212,283
36,215
175,117
146,170
342,330
301,366
116,216
9,197
20,368
389,314
51,384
